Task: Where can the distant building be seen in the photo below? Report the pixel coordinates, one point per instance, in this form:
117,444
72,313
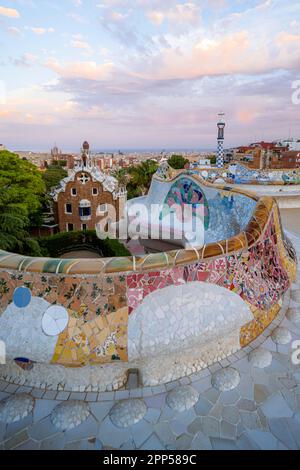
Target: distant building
82,198
2,147
262,155
55,153
291,143
201,163
228,156
58,156
291,159
38,159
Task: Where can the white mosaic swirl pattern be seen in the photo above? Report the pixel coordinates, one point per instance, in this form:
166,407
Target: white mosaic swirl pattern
182,316
21,330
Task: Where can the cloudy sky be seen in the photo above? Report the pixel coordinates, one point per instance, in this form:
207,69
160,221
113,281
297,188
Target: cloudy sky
147,73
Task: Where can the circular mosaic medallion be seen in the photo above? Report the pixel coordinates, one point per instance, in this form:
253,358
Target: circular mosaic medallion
22,297
260,358
281,335
16,407
70,414
225,379
293,314
182,398
55,320
125,413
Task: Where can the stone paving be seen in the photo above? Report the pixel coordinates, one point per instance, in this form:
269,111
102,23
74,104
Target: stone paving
248,401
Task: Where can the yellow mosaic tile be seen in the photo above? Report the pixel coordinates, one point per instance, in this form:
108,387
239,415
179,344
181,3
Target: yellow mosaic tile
93,342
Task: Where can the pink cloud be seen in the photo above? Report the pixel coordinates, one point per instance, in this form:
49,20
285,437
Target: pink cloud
9,12
232,54
86,69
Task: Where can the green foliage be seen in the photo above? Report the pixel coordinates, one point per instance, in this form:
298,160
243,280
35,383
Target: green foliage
64,242
133,191
53,175
21,193
140,177
121,176
58,163
177,162
111,247
213,159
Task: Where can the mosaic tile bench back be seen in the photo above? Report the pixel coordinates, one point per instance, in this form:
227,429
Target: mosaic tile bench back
99,306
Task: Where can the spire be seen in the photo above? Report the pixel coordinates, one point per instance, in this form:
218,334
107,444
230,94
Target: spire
85,154
221,126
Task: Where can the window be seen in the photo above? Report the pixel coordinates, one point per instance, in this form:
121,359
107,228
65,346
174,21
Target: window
95,191
84,178
68,208
70,227
85,211
83,227
74,192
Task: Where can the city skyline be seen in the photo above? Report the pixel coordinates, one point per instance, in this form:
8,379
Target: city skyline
147,74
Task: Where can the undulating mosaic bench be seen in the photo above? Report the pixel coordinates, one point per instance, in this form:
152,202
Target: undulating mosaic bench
167,314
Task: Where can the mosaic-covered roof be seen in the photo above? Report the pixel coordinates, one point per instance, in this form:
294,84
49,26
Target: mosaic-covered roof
108,182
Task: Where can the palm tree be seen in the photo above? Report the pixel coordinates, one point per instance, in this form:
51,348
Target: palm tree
141,175
121,177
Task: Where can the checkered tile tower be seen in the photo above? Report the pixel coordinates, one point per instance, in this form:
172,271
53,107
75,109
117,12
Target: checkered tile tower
221,126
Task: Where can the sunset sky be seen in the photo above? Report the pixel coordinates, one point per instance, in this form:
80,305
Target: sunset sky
147,74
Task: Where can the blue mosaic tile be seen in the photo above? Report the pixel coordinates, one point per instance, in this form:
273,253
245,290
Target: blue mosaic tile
22,297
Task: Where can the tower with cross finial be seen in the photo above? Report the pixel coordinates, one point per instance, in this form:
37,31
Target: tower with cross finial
221,127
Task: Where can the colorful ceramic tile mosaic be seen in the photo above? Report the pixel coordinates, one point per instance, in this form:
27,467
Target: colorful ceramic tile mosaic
186,192
165,172
97,307
241,174
257,264
141,285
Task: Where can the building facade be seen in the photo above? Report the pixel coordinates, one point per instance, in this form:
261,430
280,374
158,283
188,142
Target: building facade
82,199
291,143
291,159
263,156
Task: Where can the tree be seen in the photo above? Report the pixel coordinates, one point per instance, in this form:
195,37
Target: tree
21,193
52,176
178,162
121,176
61,163
141,176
